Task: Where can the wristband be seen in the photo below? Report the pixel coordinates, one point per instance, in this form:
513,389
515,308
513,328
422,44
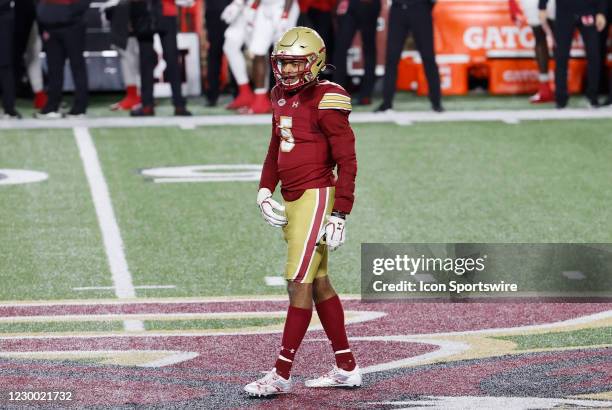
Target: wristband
338,214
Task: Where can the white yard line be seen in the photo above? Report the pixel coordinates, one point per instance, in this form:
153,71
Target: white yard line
398,117
275,281
169,357
113,244
135,287
352,316
161,301
574,275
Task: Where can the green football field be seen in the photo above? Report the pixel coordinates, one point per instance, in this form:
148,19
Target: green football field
540,181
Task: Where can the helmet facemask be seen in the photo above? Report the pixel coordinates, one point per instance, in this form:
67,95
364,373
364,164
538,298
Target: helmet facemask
295,79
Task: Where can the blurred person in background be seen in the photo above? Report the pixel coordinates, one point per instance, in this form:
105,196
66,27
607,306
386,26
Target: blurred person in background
7,80
215,29
26,52
526,12
272,20
150,17
239,15
411,16
319,15
117,13
33,66
63,29
352,16
589,16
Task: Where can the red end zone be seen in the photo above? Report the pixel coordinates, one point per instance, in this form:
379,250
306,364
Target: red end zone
409,352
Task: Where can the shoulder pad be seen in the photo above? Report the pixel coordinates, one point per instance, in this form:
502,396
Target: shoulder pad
334,97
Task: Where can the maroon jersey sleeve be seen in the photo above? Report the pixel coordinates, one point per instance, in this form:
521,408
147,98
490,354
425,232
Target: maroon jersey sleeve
336,127
269,174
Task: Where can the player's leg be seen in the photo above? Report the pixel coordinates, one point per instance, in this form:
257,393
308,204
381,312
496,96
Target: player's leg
590,37
232,47
422,29
262,38
56,57
331,314
564,30
74,42
146,61
347,25
542,56
368,17
34,67
131,75
7,80
398,30
305,216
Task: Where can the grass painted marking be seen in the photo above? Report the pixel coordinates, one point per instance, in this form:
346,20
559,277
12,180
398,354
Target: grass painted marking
275,281
135,287
113,244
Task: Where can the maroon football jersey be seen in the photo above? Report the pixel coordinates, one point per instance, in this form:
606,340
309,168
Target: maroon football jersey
311,135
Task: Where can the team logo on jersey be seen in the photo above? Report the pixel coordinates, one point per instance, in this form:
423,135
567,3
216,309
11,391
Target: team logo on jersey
282,102
295,104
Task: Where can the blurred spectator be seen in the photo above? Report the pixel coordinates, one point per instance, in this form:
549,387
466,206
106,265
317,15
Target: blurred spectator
215,29
148,18
33,66
589,17
7,81
415,16
526,12
272,19
63,31
118,13
26,53
319,15
240,16
362,16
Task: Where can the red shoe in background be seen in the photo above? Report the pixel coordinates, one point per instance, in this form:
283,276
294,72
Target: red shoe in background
131,100
40,100
543,95
261,104
244,98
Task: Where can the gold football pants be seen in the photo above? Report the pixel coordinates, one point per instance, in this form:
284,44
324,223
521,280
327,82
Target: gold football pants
306,217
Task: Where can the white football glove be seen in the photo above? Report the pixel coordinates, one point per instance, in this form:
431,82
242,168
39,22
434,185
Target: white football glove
333,232
232,11
184,3
268,206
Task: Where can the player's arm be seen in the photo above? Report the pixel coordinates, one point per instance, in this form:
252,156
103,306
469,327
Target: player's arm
334,110
600,16
335,125
270,209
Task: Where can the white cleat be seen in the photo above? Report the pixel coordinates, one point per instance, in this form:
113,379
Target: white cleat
270,384
337,378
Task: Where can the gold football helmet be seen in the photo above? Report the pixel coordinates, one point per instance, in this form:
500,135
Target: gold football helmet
300,44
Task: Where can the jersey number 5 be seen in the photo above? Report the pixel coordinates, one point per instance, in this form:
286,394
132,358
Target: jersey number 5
288,142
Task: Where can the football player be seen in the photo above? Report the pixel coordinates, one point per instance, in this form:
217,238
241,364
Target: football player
526,12
311,136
